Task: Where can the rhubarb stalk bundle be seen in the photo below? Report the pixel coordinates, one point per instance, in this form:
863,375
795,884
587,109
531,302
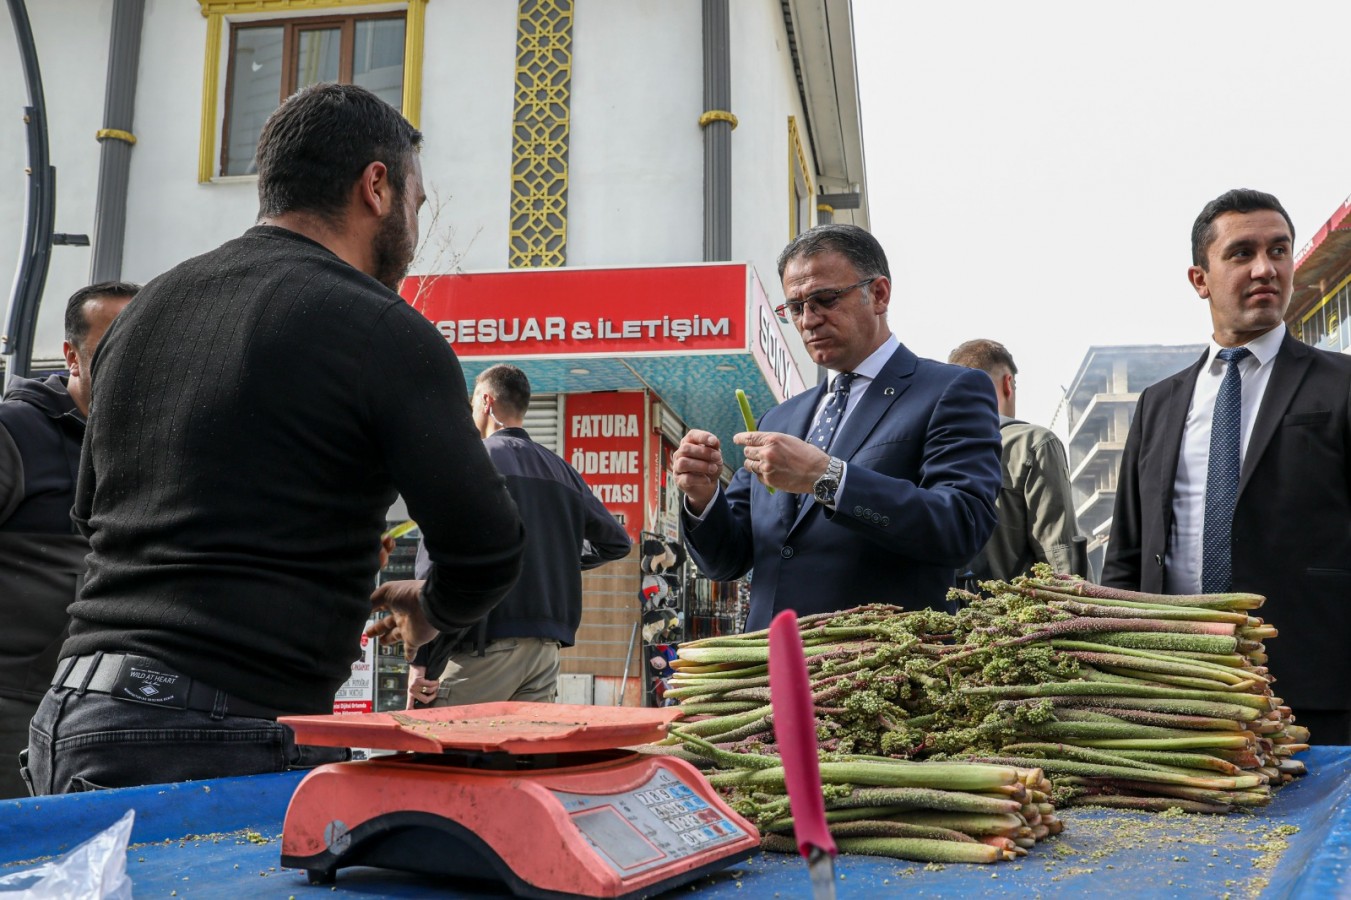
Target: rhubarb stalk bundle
1120,698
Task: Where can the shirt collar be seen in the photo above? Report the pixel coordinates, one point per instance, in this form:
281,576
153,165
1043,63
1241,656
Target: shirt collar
1263,348
871,367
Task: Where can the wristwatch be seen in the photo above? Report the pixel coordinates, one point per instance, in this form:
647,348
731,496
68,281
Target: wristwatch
825,487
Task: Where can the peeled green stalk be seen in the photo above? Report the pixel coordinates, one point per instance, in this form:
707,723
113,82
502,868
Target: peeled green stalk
747,416
922,850
1095,770
949,777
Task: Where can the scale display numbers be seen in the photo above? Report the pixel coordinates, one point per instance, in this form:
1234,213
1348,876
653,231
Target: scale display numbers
660,822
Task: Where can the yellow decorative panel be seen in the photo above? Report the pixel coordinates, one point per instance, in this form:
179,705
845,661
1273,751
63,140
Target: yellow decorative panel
540,127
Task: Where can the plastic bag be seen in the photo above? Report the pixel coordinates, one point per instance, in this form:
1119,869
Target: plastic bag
95,869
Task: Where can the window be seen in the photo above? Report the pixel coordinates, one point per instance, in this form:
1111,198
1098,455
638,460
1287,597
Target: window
1322,326
271,59
272,47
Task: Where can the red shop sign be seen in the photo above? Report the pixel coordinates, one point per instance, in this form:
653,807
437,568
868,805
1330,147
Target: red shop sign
567,312
603,440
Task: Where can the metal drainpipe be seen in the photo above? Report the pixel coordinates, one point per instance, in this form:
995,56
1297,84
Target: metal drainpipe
718,124
116,139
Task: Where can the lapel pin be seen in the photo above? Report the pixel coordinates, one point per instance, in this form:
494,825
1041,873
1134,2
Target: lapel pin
888,392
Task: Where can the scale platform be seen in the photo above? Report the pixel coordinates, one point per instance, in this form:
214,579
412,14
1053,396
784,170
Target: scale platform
539,797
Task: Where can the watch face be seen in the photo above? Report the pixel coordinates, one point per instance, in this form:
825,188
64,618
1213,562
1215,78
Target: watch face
825,487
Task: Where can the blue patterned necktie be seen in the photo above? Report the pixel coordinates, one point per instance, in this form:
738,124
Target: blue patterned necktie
1222,476
833,411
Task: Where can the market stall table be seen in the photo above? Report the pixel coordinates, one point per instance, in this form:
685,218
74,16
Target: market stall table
222,839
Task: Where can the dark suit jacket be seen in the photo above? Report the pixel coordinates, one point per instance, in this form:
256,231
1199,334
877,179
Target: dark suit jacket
1292,522
922,448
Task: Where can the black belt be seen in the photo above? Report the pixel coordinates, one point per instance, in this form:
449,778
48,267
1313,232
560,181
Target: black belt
139,679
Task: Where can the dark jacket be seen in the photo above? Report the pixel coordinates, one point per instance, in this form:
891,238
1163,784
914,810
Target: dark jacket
566,530
42,557
258,409
1292,521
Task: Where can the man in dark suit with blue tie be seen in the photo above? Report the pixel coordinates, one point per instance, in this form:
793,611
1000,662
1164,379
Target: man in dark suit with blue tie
1237,471
885,474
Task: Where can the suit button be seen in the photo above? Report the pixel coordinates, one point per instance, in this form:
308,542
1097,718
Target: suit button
876,518
858,510
786,552
1158,560
886,520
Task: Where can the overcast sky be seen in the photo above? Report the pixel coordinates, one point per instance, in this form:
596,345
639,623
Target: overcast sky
1034,168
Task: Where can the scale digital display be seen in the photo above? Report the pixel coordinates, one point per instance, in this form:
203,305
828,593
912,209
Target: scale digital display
660,822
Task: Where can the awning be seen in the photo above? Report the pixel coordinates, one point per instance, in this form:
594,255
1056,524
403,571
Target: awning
1322,263
691,333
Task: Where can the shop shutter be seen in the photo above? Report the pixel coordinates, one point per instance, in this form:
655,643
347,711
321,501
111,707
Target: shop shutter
671,427
544,421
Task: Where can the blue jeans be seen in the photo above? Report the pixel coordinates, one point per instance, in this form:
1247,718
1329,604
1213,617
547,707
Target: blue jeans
82,741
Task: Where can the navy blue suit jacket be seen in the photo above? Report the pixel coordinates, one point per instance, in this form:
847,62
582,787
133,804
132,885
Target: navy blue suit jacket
922,448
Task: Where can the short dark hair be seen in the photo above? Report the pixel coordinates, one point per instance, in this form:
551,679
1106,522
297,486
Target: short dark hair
77,323
509,387
317,143
1239,200
986,355
854,243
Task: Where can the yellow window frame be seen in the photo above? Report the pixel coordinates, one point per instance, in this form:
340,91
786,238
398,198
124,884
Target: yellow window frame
799,176
216,12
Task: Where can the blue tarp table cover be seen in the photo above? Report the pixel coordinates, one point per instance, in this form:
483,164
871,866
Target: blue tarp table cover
222,839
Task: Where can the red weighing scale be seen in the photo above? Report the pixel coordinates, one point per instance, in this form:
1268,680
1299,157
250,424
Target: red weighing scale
541,797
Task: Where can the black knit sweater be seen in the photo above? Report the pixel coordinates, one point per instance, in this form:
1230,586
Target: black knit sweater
255,412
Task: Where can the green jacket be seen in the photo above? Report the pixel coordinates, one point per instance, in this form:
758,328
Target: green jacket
1035,505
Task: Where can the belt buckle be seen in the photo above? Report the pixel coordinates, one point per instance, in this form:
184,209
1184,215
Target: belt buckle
142,680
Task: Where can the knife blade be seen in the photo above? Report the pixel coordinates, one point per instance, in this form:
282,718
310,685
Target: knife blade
790,697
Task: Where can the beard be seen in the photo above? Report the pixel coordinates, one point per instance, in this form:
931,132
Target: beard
393,249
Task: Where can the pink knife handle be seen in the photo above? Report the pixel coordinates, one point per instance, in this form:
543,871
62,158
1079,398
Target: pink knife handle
795,729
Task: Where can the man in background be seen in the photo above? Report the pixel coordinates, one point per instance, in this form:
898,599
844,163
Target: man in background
258,409
885,475
513,653
1036,504
1235,472
42,563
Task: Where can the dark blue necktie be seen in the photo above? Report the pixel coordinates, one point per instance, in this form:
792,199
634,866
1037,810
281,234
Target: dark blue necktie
829,419
1222,476
833,411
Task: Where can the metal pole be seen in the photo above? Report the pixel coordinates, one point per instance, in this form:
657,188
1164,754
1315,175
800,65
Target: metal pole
16,344
717,133
116,140
628,658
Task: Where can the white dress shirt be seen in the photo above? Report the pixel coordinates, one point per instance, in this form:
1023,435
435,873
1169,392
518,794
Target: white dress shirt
1182,572
867,372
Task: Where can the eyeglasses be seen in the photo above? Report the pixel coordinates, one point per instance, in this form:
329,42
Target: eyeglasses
821,301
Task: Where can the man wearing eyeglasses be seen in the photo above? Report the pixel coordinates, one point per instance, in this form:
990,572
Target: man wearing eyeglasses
885,475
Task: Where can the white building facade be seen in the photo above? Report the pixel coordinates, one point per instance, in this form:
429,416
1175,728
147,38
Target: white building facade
653,152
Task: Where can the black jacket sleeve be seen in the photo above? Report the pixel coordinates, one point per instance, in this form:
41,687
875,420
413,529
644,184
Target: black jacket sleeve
605,539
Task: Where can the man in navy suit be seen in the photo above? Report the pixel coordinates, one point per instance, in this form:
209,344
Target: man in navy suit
885,478
1283,526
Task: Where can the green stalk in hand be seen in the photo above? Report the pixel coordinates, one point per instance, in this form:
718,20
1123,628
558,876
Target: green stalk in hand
747,416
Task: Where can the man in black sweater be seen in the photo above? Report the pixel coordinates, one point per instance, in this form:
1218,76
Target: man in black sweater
513,653
255,414
42,425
